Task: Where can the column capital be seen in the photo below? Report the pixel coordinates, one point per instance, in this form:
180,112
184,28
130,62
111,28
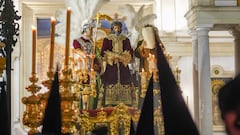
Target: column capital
193,34
203,28
235,32
202,31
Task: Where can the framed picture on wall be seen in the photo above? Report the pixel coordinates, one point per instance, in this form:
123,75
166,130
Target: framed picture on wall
216,84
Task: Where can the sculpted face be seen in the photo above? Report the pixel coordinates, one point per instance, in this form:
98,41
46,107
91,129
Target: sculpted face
148,37
117,29
87,32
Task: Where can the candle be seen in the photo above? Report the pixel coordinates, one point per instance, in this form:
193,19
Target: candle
92,76
154,62
84,67
143,75
68,18
142,70
177,73
151,61
34,31
53,22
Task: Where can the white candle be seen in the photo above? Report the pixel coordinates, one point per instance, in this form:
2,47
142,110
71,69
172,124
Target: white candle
143,75
84,62
34,35
142,70
92,76
68,18
53,22
154,62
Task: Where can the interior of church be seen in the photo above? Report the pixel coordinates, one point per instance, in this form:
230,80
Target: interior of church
198,37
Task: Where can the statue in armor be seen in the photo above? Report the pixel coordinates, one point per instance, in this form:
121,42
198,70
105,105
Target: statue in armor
84,44
84,48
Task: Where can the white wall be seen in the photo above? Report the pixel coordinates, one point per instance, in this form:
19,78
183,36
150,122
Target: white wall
186,77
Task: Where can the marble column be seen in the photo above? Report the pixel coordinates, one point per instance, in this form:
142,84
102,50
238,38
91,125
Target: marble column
195,76
204,82
236,36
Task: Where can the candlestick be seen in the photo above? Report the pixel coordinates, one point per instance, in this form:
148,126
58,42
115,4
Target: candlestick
67,36
177,72
85,63
152,63
53,22
143,75
168,56
93,83
92,76
34,31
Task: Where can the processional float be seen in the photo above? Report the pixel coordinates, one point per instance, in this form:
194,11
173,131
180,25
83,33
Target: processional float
73,87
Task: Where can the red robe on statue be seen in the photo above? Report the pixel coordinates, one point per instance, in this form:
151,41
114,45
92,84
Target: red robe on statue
118,46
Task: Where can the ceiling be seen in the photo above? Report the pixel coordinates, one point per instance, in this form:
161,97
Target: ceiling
111,7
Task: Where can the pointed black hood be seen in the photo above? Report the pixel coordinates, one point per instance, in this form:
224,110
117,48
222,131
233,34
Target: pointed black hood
52,121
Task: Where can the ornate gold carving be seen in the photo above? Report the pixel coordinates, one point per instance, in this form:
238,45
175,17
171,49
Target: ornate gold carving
48,84
119,118
100,16
158,122
67,98
216,84
118,93
74,86
113,58
32,117
177,72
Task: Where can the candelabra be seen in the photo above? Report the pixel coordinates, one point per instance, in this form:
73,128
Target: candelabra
48,84
158,119
77,83
33,115
74,84
168,56
85,81
67,98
